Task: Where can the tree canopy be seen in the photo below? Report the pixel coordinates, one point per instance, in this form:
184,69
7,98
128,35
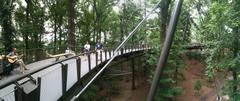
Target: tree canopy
36,26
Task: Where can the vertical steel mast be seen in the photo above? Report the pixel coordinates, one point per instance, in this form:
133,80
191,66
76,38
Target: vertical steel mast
166,47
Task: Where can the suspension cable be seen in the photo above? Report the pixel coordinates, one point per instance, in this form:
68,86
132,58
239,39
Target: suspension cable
116,50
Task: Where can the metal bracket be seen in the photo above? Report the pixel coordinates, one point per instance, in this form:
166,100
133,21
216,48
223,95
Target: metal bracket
32,79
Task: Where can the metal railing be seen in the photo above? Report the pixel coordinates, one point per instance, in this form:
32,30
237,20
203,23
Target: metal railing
92,56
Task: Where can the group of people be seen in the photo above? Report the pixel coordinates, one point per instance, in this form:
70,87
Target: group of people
98,47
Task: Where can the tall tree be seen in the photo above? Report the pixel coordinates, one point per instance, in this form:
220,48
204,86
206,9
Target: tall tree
164,9
102,8
71,24
57,13
27,32
220,28
6,8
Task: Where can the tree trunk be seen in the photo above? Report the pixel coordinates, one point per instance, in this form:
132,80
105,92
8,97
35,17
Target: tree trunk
55,35
6,7
71,25
164,6
186,28
121,27
98,27
26,34
60,37
235,53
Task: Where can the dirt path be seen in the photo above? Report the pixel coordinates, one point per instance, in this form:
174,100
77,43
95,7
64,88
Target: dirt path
193,73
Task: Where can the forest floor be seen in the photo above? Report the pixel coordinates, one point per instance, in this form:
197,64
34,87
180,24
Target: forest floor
127,94
195,71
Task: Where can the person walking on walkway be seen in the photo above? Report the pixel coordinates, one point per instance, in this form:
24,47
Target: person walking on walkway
86,48
99,47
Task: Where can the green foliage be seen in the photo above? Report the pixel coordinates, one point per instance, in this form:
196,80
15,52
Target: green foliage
8,30
198,86
168,94
228,88
219,30
90,93
195,55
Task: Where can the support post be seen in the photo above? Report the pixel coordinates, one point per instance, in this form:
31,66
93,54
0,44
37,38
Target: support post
125,50
113,52
19,94
79,68
96,58
165,51
105,52
121,51
133,74
110,55
64,80
101,55
144,67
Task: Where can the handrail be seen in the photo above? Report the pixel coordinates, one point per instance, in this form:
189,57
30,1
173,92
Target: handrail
35,71
13,80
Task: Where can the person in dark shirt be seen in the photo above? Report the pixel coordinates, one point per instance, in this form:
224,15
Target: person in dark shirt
99,47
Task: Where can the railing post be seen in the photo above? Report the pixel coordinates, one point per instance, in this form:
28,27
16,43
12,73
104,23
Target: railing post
89,61
105,52
27,91
101,55
19,94
110,55
124,49
113,52
121,51
39,87
64,80
79,68
96,58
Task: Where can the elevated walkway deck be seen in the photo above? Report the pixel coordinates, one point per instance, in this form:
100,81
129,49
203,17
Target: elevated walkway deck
57,77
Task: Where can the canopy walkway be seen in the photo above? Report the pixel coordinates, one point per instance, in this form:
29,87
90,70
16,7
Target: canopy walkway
50,79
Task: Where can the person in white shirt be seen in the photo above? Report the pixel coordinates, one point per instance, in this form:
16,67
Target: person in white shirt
86,47
67,50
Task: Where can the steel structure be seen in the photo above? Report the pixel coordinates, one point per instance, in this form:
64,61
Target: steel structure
165,51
